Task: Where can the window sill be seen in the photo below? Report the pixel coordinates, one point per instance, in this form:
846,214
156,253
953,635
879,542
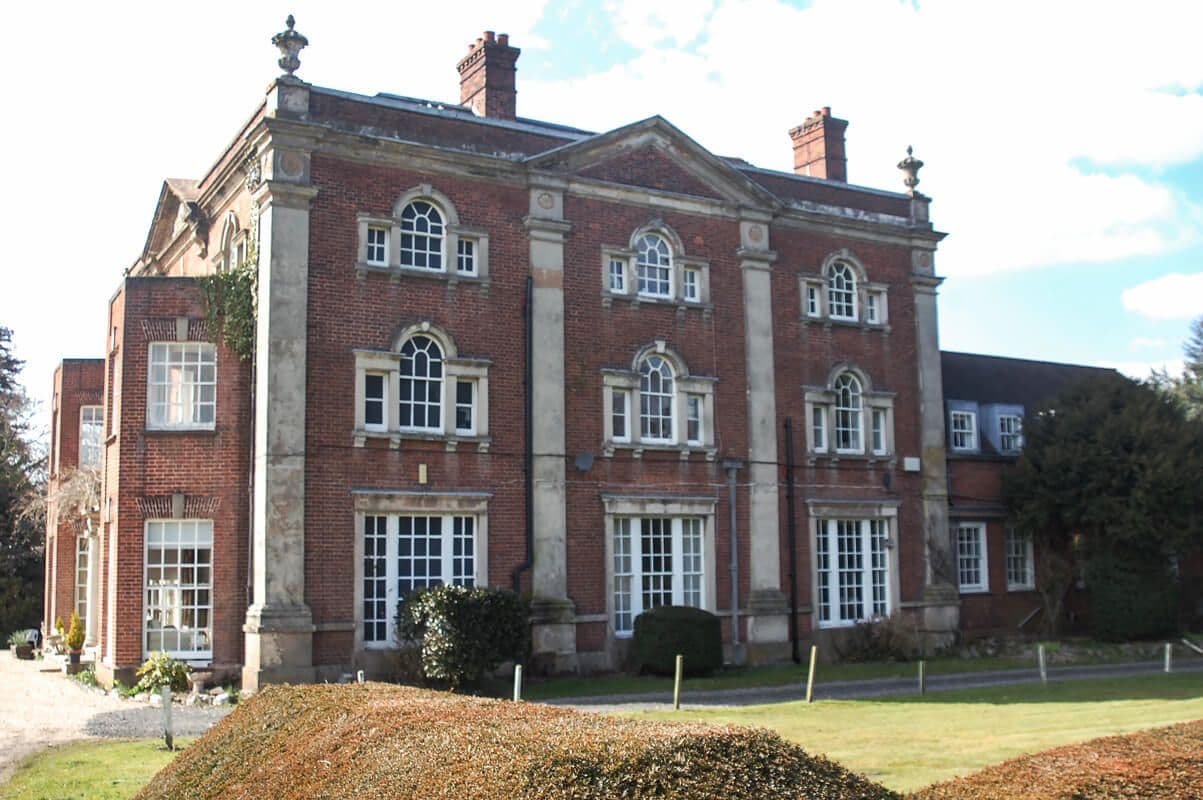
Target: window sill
1020,589
977,591
394,439
636,300
363,269
639,448
204,429
828,322
833,459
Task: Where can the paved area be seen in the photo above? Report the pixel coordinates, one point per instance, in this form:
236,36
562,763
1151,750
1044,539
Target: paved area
857,690
42,708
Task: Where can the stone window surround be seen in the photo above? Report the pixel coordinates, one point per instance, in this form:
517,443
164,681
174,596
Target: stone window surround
453,232
824,397
387,502
818,281
680,262
627,505
455,367
232,238
684,385
833,509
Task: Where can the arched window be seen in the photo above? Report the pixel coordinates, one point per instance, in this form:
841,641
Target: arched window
841,292
656,399
421,388
848,413
654,265
422,235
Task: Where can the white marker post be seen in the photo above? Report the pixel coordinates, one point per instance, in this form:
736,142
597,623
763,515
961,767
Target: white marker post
517,683
677,683
1040,660
168,736
810,676
1169,658
922,676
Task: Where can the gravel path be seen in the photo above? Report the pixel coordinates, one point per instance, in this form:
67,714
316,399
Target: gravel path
42,708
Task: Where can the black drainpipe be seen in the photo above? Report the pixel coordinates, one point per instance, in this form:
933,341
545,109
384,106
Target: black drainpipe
791,528
529,450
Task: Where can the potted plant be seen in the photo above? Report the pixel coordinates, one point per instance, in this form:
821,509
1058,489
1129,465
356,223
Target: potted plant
21,644
75,642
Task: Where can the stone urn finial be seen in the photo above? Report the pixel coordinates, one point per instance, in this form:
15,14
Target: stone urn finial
290,43
910,167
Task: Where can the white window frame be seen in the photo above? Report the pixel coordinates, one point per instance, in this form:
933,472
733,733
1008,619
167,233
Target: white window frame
189,396
822,403
877,580
470,429
844,296
628,384
453,233
392,505
971,546
694,417
878,444
383,399
620,407
201,531
813,297
83,555
376,253
456,369
1020,548
414,215
659,272
617,274
465,256
91,447
677,509
657,389
818,429
691,291
1015,422
853,414
963,424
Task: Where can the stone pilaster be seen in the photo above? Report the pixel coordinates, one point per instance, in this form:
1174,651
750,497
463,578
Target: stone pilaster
941,599
279,624
767,632
554,632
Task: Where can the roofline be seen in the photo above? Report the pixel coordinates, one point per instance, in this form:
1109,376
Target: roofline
746,167
437,109
1029,360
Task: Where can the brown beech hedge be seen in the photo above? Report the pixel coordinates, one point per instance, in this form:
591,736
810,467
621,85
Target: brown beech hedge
1161,764
380,741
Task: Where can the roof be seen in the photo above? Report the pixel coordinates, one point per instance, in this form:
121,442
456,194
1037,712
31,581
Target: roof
1018,381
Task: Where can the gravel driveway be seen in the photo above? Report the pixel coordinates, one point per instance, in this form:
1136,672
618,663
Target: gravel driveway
42,707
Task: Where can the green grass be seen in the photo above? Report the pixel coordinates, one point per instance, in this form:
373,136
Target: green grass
910,742
778,675
93,770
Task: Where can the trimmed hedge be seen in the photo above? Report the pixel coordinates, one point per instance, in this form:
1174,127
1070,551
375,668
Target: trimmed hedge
1130,599
1161,764
463,632
665,631
375,741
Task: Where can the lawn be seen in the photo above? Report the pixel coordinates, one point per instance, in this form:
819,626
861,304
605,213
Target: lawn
94,770
910,742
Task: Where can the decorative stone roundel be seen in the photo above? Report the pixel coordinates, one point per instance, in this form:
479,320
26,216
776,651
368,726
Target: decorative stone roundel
755,233
545,200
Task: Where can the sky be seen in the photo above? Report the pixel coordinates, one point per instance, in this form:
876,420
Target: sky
1063,141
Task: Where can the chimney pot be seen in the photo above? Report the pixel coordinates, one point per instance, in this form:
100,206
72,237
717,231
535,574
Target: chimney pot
487,75
819,146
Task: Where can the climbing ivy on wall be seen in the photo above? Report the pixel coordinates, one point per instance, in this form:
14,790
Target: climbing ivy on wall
230,304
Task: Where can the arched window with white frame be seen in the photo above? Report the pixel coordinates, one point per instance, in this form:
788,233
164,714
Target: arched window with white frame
654,265
849,414
841,291
421,386
422,236
656,399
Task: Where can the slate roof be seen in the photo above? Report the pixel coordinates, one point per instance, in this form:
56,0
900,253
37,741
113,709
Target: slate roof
994,379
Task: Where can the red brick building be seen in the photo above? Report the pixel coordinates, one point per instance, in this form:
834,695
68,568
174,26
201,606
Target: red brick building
500,351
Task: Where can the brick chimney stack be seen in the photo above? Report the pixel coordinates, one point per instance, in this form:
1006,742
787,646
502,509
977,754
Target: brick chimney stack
819,146
487,77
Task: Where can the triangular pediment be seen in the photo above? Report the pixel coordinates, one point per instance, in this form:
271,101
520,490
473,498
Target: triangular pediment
176,194
654,154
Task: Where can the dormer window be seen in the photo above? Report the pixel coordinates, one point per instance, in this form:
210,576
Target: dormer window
1010,433
962,427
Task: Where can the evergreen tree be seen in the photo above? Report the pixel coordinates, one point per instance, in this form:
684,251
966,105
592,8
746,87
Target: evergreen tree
21,476
1109,479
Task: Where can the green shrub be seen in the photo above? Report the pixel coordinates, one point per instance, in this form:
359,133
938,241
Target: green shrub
162,670
75,633
463,632
377,742
1130,599
19,638
663,632
59,627
889,638
86,676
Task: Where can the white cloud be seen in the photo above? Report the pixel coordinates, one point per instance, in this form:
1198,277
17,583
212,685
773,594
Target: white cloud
1147,343
1173,296
1144,369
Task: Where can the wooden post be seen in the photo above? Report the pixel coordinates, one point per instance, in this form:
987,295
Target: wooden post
922,676
810,675
1040,660
168,736
1169,658
517,683
677,683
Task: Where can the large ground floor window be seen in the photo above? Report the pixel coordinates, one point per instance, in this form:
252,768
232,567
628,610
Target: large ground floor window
658,561
82,553
179,588
404,552
852,570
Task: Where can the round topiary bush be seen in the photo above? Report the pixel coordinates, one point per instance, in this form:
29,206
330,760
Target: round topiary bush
663,632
